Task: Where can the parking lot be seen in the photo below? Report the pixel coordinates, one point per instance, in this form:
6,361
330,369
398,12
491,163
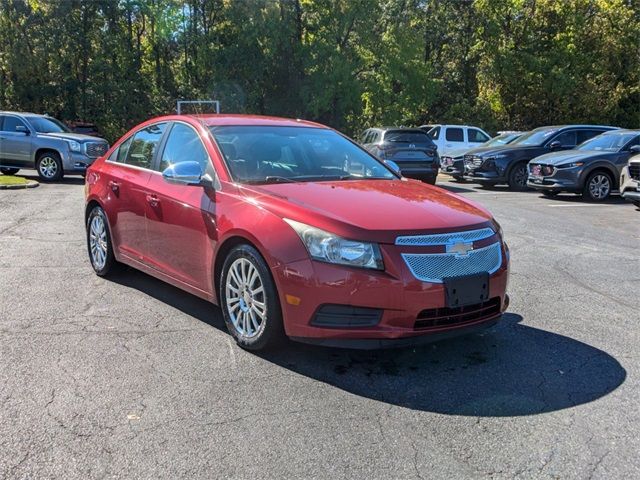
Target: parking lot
132,378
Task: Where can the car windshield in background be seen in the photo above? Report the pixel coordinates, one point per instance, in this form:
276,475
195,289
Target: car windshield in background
402,136
47,125
610,142
503,139
535,137
266,154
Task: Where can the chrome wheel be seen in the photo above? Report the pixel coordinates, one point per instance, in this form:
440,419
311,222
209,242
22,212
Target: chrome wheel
245,298
48,167
599,186
98,242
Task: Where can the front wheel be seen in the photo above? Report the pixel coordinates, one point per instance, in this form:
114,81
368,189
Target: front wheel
49,166
9,170
597,187
249,300
99,243
518,177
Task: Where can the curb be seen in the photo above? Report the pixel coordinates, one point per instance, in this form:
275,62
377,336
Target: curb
29,184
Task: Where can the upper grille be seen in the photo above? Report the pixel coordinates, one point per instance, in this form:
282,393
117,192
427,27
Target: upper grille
434,267
96,149
471,161
634,171
445,238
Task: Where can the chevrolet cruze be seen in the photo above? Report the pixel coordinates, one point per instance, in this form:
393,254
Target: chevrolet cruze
294,230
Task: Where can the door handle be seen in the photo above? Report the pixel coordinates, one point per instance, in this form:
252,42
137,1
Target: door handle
153,200
115,186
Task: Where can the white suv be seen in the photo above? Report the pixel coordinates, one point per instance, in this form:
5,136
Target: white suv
450,137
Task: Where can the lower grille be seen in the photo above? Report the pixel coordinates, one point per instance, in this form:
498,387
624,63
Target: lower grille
346,316
446,316
96,149
634,171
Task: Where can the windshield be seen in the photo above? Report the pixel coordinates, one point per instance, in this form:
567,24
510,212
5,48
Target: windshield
47,125
610,142
404,136
265,154
502,139
536,137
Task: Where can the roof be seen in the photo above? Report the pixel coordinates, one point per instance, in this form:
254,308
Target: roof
558,127
226,119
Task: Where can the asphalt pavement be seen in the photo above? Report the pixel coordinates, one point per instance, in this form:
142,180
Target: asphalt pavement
131,378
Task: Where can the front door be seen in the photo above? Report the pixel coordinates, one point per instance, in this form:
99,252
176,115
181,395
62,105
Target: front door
15,142
181,228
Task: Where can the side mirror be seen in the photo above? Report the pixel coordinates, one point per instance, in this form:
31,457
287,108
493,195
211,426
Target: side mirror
555,144
635,149
186,173
22,129
393,166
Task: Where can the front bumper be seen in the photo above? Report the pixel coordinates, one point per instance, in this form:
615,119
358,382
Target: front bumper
562,180
396,292
481,176
75,162
631,196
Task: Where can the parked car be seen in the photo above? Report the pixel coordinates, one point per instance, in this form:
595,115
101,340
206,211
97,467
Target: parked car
630,181
85,128
451,137
295,230
410,149
35,141
453,162
592,169
508,163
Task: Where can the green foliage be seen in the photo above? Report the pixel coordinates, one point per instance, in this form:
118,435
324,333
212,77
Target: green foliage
348,63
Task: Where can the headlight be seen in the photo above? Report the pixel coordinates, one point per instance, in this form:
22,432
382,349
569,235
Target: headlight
73,145
327,247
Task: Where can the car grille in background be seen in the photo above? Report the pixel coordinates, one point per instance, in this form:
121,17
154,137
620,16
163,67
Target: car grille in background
471,161
449,316
634,171
96,149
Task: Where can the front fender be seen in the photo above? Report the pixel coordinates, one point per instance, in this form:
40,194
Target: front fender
602,165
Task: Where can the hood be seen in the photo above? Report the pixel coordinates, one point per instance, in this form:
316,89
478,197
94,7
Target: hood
78,137
456,152
570,156
371,210
501,149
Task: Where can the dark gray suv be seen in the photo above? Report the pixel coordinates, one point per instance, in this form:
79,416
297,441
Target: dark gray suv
35,141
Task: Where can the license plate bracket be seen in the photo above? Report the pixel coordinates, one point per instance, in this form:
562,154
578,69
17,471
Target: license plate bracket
467,289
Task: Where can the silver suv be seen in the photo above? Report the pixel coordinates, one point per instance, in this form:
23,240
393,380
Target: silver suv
35,141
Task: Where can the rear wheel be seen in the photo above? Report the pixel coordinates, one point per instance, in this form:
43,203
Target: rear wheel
49,166
597,187
249,300
518,177
9,170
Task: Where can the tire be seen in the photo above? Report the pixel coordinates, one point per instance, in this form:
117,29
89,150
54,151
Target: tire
49,167
9,170
99,243
518,177
250,303
429,180
598,186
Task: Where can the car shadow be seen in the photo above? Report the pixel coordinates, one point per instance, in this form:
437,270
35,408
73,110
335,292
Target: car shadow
66,180
453,188
509,370
573,198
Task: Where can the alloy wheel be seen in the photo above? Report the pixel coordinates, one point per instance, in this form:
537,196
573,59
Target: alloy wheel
599,186
520,176
245,298
48,167
98,242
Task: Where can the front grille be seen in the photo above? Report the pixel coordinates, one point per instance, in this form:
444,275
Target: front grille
634,171
472,162
434,267
449,316
96,149
445,238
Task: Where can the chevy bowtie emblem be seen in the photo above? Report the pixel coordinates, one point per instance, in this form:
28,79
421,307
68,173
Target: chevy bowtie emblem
460,248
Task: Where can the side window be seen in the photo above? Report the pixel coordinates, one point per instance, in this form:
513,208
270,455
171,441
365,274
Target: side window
566,139
632,143
584,135
363,137
120,154
476,136
434,132
10,123
373,138
454,135
144,144
183,145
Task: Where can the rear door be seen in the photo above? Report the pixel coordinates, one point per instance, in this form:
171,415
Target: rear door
127,173
409,147
181,218
15,142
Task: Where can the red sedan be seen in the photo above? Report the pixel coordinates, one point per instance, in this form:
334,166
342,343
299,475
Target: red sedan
294,230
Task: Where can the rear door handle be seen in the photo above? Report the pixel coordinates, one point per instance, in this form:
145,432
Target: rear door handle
153,200
115,186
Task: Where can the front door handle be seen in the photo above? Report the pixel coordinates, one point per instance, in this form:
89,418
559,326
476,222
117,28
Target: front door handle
153,200
115,186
